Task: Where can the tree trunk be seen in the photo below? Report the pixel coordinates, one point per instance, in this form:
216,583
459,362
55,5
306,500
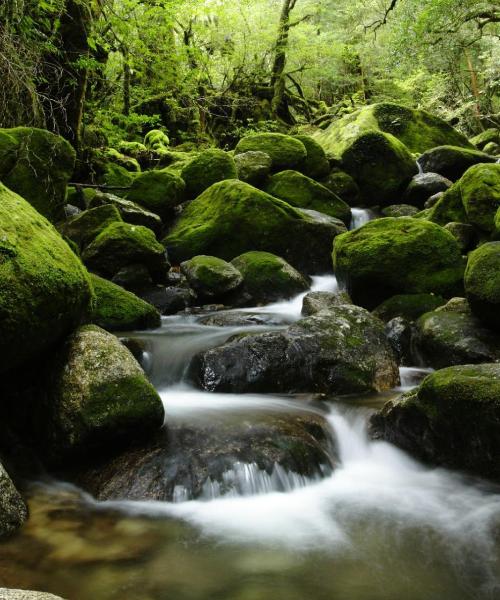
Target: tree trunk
277,74
474,84
126,82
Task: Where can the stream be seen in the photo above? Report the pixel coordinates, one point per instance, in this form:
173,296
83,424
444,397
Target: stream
381,526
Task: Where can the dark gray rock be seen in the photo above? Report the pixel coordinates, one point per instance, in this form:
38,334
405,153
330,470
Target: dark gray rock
423,186
315,302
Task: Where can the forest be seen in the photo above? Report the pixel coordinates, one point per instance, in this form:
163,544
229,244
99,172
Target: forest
249,300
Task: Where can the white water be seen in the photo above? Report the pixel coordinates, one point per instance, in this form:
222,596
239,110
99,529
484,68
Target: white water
361,216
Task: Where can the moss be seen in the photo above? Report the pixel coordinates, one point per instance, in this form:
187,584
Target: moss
122,244
207,168
449,208
392,256
303,192
37,165
316,164
408,306
480,190
285,151
129,211
211,277
486,137
400,210
451,161
343,185
116,309
253,167
157,191
84,227
127,162
155,139
116,176
232,217
267,277
381,166
44,291
482,283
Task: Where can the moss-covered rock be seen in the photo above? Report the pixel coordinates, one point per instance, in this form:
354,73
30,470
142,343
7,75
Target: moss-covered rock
303,192
399,210
486,137
155,139
44,288
492,149
285,151
315,302
452,419
134,149
13,510
157,191
130,212
210,277
316,165
408,306
465,234
452,162
267,278
253,167
482,283
37,165
111,155
207,168
343,185
115,309
448,208
423,186
397,256
85,226
98,397
116,176
416,129
122,244
232,217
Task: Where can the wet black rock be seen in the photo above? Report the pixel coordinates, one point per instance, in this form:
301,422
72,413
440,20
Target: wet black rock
423,186
314,302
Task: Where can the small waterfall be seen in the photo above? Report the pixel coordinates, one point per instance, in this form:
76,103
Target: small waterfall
419,167
361,216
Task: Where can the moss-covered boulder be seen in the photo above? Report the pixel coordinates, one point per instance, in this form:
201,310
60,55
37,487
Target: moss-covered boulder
423,186
399,210
116,176
392,256
115,309
465,234
130,212
98,397
315,302
85,226
156,139
340,350
452,419
316,165
343,185
122,244
44,288
407,306
482,283
267,278
303,192
253,167
285,151
157,191
452,162
37,165
210,277
232,217
486,137
416,129
207,168
13,510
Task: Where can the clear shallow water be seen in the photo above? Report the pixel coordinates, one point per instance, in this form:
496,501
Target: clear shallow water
381,526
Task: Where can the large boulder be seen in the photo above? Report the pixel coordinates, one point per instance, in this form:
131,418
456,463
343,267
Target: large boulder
423,186
342,350
86,226
286,152
486,137
317,164
207,168
13,510
121,245
452,335
210,277
116,309
211,459
393,256
267,278
157,191
452,419
303,192
407,306
98,397
452,162
253,167
343,185
232,217
315,302
482,283
130,212
37,165
44,288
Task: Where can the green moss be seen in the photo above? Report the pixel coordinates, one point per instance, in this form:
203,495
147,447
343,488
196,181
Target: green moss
232,217
84,227
303,192
37,165
480,190
116,309
343,185
157,191
486,137
44,291
207,168
134,149
451,161
211,277
127,162
482,283
285,151
392,256
449,208
267,277
253,167
155,139
116,176
408,306
316,164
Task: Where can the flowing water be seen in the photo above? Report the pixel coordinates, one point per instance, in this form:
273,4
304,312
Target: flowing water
381,526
